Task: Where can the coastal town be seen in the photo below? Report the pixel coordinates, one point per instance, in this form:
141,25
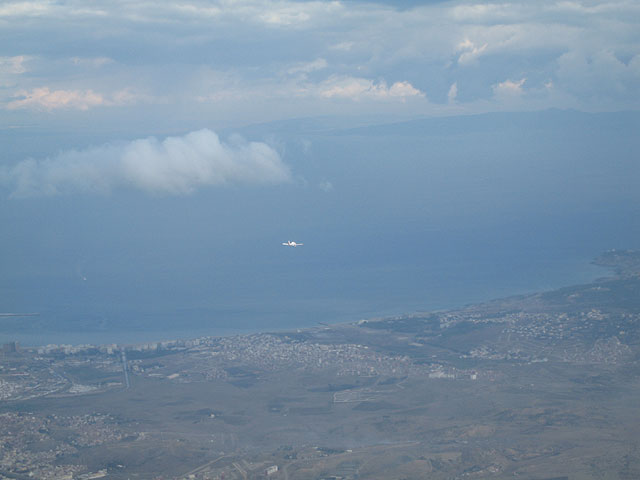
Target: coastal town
437,387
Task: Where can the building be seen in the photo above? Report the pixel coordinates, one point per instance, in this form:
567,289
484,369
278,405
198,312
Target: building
11,347
271,470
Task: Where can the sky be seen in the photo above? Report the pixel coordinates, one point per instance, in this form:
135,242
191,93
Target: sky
156,154
171,65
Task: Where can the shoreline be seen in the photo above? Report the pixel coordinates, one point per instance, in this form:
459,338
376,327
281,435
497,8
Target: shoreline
158,338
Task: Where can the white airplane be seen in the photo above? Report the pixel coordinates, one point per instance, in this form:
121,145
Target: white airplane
289,243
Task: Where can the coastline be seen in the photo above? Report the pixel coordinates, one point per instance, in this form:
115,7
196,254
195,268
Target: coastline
79,340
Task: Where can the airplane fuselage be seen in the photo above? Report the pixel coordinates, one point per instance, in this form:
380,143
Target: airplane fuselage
289,243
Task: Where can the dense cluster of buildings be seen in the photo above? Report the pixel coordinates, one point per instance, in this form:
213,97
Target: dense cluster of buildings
21,431
211,358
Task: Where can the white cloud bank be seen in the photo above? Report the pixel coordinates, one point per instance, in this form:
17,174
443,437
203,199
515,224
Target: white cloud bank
10,68
176,165
12,65
358,88
470,52
509,89
286,58
453,92
45,99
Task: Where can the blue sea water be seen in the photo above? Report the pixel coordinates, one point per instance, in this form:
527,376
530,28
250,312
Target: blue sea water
394,219
288,289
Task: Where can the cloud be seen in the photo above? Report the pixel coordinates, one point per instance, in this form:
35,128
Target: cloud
358,88
308,67
269,13
15,9
310,51
299,87
10,68
174,166
95,62
483,12
325,186
453,92
12,65
470,52
342,46
403,89
44,99
508,89
282,17
599,75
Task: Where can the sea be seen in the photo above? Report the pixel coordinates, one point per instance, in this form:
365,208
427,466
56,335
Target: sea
299,292
419,216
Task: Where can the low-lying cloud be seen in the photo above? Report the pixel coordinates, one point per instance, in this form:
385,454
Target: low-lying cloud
45,99
360,88
174,166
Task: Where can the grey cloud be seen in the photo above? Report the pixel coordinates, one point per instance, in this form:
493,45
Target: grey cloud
175,165
242,52
599,74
